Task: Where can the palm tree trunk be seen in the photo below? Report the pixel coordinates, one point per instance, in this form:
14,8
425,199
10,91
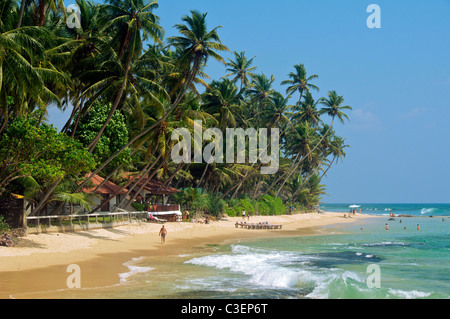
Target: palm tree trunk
72,114
94,142
312,150
142,175
169,180
45,197
203,175
42,9
281,176
324,173
22,9
257,187
143,184
176,102
75,125
241,182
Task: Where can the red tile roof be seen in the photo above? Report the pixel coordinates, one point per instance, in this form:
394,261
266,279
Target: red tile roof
107,188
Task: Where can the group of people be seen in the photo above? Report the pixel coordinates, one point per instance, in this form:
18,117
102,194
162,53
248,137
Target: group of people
386,226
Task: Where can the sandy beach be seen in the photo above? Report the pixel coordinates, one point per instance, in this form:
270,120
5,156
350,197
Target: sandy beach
39,262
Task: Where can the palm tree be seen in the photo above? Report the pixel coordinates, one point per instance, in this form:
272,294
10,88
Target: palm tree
197,45
276,113
27,77
130,23
222,101
308,111
302,138
337,146
240,68
259,91
333,106
300,81
42,7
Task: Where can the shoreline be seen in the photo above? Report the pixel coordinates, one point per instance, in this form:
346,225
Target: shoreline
39,262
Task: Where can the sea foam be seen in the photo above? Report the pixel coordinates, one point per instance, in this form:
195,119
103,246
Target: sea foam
133,269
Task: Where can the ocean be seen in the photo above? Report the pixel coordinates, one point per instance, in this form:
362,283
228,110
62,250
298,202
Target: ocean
415,209
352,261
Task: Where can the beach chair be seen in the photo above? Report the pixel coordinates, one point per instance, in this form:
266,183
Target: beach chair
151,218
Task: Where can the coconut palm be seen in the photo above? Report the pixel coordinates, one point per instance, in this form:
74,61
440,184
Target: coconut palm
240,68
130,23
259,92
222,101
197,44
27,78
333,107
41,7
300,81
277,111
308,111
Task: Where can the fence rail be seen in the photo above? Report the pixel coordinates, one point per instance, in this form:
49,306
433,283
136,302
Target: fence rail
88,218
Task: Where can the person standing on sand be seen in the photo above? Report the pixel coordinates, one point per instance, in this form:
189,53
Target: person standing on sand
163,233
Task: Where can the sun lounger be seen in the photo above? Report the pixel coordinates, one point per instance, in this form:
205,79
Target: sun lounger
155,219
256,225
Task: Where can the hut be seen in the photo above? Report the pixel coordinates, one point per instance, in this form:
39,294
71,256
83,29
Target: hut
156,195
106,189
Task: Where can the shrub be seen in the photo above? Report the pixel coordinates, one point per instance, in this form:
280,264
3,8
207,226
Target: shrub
138,206
4,227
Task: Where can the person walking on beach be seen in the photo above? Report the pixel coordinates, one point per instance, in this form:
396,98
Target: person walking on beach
163,233
243,214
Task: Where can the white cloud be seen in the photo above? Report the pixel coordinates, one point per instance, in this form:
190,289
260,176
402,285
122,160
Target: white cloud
413,113
363,120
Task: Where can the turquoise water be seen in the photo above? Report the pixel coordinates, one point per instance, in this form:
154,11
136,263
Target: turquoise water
412,263
415,209
408,263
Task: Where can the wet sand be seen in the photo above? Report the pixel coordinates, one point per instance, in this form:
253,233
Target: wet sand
40,262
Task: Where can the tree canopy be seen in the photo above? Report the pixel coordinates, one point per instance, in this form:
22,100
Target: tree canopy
126,89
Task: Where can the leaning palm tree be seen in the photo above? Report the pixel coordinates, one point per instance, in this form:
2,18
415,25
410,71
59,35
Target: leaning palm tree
300,81
240,68
197,45
337,149
308,111
27,78
276,113
259,92
130,22
333,106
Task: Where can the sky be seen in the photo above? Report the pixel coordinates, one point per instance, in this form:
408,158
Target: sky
396,78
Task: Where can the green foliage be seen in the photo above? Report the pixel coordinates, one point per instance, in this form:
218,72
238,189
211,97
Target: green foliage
104,67
138,206
113,138
29,149
193,198
4,227
266,206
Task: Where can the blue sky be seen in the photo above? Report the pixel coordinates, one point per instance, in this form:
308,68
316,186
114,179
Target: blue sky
396,78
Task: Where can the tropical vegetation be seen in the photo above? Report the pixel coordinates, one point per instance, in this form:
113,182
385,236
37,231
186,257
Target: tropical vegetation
126,88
